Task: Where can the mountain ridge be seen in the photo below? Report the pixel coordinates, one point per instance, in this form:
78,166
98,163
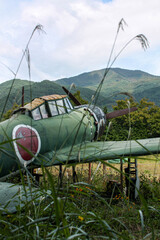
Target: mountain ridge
138,83
120,71
117,80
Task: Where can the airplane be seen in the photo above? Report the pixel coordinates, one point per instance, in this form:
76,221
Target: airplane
49,131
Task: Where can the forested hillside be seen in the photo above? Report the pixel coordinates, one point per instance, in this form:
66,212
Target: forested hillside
38,89
140,84
137,83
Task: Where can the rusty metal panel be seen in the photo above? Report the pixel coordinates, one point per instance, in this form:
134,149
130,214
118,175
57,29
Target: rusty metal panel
35,103
38,101
53,97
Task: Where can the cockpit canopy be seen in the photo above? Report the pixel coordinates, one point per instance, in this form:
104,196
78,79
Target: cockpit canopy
47,106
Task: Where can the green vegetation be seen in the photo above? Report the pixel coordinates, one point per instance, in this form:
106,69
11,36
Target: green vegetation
83,211
79,98
143,123
9,113
38,89
139,84
31,90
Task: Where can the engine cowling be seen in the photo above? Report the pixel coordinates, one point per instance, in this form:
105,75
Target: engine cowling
99,117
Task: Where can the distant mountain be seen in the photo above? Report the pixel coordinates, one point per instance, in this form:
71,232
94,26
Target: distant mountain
36,89
138,83
18,83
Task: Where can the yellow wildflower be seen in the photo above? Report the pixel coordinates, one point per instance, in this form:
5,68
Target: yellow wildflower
80,218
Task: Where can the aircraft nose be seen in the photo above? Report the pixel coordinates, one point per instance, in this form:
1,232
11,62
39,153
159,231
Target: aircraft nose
100,119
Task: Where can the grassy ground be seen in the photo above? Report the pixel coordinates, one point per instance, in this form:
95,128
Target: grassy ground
86,211
150,166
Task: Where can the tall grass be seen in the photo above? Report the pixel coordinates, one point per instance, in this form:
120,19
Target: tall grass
81,210
84,211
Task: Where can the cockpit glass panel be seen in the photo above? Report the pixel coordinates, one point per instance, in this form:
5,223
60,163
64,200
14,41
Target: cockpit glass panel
67,105
36,114
53,108
61,108
43,111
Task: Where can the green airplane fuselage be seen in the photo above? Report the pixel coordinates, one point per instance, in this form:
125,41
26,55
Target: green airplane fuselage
53,133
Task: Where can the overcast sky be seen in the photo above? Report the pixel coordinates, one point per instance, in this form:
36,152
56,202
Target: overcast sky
78,37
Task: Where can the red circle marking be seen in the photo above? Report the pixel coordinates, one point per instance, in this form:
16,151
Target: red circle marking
28,139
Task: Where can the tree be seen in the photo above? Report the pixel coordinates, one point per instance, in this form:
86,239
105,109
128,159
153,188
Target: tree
143,123
79,98
9,113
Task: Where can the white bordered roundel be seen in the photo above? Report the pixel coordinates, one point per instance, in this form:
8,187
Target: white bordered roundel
29,138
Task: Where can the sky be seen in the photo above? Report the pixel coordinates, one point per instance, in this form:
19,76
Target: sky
77,36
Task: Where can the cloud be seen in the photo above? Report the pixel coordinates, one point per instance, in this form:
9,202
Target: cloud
79,35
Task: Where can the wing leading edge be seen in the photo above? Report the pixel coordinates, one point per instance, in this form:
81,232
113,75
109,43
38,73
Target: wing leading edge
94,151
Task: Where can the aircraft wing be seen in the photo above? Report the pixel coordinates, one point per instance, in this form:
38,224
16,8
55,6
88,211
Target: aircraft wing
80,153
14,196
94,151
